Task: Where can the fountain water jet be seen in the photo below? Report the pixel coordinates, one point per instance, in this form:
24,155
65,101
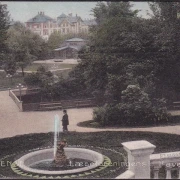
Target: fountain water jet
56,132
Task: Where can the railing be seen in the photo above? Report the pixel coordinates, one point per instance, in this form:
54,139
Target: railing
126,175
16,100
141,161
25,91
170,161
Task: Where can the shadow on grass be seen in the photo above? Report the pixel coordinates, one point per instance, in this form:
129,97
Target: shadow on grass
175,120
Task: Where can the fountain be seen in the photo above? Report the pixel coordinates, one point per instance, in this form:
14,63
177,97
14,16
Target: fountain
45,161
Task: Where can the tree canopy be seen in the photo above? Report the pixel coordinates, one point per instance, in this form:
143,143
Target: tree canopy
23,45
4,24
126,49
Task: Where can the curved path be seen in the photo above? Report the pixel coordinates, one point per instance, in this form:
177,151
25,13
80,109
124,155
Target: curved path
13,122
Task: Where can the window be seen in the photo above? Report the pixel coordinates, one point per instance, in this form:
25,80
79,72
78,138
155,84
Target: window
45,32
63,30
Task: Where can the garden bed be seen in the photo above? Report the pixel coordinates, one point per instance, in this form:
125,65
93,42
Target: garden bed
174,120
103,142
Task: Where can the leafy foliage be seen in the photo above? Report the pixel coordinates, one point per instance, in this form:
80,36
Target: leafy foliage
4,24
42,78
135,109
23,45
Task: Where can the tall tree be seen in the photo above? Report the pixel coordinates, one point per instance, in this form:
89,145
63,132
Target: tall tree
4,24
167,69
24,45
104,64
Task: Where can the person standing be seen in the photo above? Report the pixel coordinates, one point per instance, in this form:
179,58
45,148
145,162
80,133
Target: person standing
65,121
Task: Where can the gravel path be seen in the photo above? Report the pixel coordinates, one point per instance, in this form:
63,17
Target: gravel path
65,61
13,122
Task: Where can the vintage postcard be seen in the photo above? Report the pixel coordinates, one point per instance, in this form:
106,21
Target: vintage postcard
89,90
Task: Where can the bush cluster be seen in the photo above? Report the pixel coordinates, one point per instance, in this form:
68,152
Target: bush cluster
135,108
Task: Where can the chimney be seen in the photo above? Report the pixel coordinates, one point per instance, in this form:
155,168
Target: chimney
76,15
70,14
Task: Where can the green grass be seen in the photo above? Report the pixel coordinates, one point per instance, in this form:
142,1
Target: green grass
17,78
6,82
34,66
174,120
109,140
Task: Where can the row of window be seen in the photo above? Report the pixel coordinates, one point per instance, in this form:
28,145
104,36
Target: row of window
63,31
51,25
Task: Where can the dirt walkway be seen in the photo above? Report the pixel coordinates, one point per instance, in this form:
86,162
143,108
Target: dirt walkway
64,61
13,122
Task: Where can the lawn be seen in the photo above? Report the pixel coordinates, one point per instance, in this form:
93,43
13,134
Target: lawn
173,120
34,66
17,78
7,82
107,143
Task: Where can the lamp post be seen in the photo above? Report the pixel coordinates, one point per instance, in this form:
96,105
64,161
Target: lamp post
10,78
20,87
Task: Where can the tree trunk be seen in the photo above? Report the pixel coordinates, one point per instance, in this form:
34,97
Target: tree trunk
22,68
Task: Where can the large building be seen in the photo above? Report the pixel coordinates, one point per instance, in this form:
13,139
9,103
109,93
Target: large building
45,25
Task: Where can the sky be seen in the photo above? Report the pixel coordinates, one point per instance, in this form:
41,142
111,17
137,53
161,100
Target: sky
23,10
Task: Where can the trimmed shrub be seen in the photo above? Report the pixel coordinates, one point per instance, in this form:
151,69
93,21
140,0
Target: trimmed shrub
136,108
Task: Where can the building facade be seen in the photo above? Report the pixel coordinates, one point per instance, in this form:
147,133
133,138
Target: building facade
45,25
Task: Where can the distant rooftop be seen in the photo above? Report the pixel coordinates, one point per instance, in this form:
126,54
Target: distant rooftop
62,16
71,47
41,17
90,22
71,19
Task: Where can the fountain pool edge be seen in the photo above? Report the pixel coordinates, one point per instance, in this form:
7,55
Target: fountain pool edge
27,160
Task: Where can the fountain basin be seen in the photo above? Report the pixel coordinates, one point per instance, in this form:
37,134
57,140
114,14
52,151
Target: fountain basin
34,157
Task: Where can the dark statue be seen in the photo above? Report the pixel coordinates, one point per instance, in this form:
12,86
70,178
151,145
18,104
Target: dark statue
60,158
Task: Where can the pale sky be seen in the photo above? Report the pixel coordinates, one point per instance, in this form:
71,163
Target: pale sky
23,11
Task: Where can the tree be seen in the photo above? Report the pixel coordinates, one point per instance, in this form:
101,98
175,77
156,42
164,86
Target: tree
24,45
103,65
4,24
54,41
136,108
167,71
42,79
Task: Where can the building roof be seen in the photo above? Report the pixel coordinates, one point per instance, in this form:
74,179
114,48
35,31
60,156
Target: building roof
75,40
71,19
41,17
66,47
90,22
62,16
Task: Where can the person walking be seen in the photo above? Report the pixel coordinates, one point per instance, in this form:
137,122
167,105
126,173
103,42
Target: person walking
65,121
